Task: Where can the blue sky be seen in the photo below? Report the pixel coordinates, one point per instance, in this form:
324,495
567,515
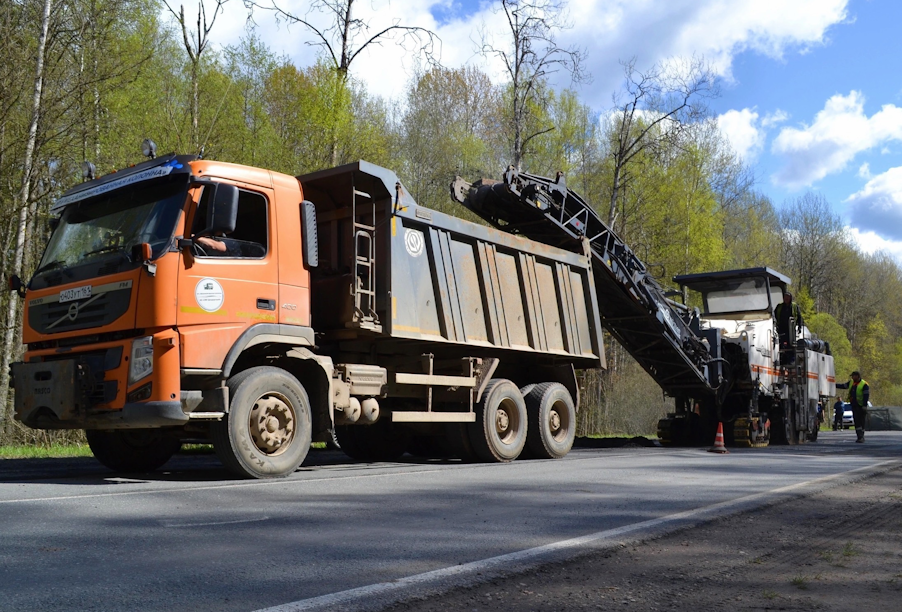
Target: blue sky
811,96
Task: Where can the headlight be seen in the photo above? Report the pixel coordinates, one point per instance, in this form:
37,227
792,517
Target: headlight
141,364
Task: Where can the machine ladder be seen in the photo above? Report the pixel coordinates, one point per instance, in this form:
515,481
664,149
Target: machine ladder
363,288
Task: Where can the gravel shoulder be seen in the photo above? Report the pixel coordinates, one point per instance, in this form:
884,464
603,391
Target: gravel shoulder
840,549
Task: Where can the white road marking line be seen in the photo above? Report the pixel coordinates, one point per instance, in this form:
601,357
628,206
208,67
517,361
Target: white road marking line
378,596
255,483
277,481
211,523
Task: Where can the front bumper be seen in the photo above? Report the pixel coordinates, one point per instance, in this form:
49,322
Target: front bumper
87,389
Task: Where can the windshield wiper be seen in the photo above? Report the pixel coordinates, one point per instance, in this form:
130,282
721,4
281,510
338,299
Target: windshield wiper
59,263
111,247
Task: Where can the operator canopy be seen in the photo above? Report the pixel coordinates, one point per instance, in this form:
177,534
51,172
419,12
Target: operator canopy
750,293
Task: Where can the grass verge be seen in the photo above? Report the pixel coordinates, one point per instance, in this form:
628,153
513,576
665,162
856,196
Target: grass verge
54,451
60,451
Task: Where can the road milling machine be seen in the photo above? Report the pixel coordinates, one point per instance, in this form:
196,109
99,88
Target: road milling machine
720,363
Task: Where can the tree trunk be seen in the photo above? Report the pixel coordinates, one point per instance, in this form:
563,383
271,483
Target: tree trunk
12,311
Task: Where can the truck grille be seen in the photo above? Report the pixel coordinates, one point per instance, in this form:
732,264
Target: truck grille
98,310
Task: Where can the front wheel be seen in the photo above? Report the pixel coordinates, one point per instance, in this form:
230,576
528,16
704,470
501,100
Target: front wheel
266,433
132,450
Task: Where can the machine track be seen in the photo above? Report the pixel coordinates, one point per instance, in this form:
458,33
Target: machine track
751,433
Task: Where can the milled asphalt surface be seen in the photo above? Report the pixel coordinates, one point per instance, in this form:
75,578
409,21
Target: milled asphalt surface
77,537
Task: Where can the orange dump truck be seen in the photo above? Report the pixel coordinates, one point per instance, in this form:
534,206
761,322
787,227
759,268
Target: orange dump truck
187,299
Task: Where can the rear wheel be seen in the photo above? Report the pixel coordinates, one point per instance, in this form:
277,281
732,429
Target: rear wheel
784,431
133,450
266,433
552,421
499,433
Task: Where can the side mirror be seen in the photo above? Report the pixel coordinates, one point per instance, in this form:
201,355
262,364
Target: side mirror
222,213
142,252
15,284
309,235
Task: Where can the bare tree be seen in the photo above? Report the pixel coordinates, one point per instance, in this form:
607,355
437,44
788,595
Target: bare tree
654,109
196,43
812,238
346,37
532,55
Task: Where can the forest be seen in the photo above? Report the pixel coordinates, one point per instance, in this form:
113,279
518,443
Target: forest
89,80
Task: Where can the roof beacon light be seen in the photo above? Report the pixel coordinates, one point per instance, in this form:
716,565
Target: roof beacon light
149,148
88,171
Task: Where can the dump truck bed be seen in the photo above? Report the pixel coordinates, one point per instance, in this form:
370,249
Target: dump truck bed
440,280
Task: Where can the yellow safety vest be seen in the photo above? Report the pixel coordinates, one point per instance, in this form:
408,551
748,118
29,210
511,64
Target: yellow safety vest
857,391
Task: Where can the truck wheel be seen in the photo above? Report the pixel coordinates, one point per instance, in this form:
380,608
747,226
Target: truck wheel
266,433
552,421
784,430
499,433
132,450
789,427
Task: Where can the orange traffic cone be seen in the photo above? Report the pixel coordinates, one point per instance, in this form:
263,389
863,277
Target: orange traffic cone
718,441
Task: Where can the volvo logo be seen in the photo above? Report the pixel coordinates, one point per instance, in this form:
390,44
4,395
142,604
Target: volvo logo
73,311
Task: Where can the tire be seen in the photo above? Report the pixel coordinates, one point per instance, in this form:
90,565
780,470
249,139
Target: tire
381,441
789,429
132,450
266,433
499,433
552,421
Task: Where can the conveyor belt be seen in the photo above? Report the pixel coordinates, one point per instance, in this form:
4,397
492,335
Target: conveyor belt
659,333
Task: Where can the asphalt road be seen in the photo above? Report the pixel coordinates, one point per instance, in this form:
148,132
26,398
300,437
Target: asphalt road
74,536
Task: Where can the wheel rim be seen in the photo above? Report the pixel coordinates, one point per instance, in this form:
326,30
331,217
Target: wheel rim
272,424
559,421
507,421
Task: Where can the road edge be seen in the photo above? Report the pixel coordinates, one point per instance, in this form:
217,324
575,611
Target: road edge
371,598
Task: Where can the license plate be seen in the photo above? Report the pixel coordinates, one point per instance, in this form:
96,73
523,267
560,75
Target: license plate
78,293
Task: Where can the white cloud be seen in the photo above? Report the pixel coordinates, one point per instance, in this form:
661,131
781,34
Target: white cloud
720,29
878,206
741,130
774,118
871,242
864,171
839,132
609,30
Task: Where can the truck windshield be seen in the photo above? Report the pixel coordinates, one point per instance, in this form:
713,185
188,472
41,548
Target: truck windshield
108,227
741,296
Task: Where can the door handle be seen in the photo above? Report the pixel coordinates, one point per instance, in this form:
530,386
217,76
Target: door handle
263,304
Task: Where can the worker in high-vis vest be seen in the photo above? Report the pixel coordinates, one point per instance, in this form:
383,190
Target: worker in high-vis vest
859,394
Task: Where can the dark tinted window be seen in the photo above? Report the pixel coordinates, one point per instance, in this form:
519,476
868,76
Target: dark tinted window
250,238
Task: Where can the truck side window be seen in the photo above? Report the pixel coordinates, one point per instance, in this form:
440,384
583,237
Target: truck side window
250,238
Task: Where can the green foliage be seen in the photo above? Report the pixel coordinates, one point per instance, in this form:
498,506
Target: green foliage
116,74
54,451
827,328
